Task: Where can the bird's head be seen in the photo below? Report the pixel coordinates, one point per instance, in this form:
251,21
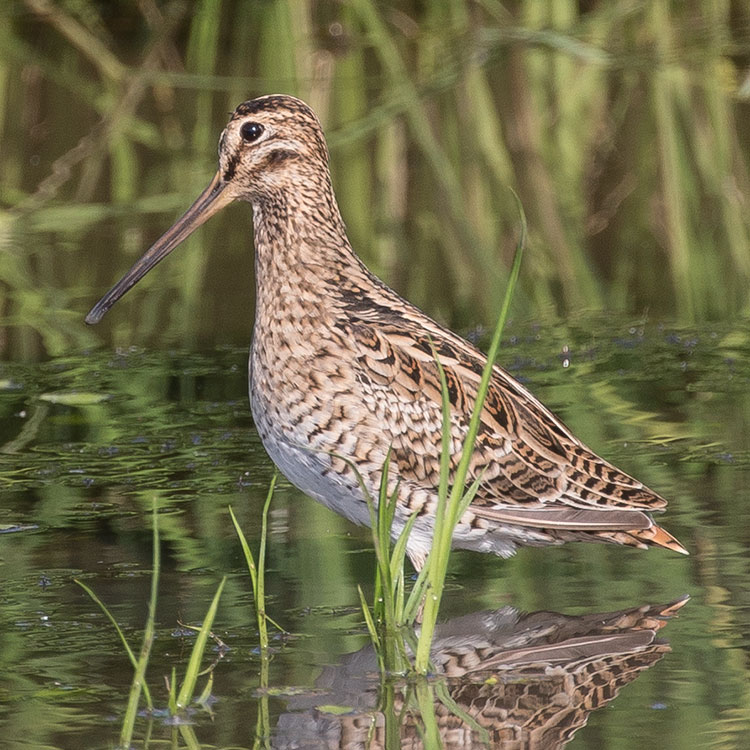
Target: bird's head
272,147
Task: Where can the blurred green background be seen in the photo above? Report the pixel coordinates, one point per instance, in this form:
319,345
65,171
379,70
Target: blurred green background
623,126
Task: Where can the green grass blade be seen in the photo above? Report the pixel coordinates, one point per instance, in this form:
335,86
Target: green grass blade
258,572
426,703
368,620
416,596
263,721
196,655
442,694
260,587
469,496
419,590
203,698
399,549
445,455
172,701
437,561
386,509
139,678
247,552
484,383
128,650
189,737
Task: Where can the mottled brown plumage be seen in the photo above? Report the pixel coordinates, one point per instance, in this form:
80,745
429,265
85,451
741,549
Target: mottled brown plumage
342,369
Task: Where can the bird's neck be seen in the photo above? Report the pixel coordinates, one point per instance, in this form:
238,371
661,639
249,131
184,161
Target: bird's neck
300,246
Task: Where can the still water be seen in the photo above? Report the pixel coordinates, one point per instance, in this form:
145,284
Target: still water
88,442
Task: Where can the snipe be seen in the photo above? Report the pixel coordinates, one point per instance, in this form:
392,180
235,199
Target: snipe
341,366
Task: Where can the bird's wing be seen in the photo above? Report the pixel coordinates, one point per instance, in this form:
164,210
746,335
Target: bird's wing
529,461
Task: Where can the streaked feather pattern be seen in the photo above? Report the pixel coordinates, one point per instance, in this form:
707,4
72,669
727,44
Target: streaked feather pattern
342,369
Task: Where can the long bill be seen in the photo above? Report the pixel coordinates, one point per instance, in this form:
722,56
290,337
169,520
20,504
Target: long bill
211,200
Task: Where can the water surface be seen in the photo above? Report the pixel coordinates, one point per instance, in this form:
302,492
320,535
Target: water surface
89,441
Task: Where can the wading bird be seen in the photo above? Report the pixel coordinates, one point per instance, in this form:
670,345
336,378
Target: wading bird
342,370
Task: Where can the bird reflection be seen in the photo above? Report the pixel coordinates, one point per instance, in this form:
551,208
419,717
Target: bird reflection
529,681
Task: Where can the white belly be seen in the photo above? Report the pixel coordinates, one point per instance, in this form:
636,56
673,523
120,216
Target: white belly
308,469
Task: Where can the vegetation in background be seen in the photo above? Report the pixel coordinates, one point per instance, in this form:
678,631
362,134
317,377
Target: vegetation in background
622,126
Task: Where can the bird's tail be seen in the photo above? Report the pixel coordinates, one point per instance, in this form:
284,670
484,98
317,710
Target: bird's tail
654,536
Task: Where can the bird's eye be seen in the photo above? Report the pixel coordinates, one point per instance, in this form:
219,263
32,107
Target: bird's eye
251,131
